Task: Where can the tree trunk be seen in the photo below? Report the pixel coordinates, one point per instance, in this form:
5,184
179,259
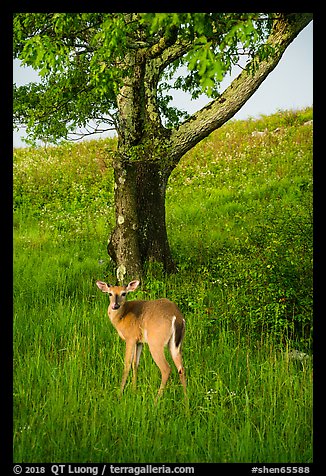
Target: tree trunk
151,185
123,245
140,234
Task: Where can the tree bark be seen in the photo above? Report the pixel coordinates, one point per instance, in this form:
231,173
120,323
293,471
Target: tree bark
142,169
123,245
140,234
151,188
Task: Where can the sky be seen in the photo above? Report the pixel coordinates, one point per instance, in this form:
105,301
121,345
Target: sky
288,86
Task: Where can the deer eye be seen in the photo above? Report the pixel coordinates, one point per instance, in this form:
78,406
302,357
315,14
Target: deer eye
123,293
110,294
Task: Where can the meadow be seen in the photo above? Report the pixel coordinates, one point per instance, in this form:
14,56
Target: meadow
239,218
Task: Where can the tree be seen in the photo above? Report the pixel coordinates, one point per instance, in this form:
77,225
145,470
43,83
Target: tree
117,69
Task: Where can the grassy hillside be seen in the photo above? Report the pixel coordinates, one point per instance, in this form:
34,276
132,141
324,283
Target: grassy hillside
239,217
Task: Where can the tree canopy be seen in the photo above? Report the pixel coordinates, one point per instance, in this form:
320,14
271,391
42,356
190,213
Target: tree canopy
83,60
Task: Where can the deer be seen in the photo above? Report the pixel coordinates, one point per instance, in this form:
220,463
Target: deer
159,323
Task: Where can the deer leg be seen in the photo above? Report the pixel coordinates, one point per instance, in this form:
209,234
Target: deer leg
130,350
161,362
177,359
135,363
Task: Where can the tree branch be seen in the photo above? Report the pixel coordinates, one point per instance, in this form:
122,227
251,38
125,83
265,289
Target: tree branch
217,112
81,135
174,52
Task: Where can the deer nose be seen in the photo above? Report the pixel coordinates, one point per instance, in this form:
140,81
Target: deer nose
115,306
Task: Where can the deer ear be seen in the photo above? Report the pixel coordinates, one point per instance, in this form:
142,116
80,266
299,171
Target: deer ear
132,286
102,286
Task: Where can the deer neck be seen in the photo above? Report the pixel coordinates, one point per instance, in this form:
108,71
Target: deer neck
115,315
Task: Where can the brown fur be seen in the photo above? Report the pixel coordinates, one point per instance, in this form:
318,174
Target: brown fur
158,323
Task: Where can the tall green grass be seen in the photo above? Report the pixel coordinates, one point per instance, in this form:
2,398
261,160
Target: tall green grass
239,223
